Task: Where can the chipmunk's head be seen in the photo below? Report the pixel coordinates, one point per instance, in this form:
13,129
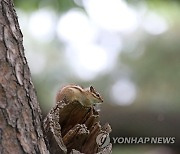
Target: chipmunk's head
95,96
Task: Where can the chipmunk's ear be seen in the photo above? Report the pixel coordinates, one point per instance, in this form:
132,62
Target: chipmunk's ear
92,89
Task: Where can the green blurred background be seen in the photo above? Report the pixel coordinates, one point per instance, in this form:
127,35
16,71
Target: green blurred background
128,50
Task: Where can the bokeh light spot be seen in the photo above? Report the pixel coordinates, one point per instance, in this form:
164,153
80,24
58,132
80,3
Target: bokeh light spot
74,26
155,24
41,25
113,15
123,92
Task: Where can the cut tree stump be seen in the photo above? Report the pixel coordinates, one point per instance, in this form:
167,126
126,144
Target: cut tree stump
73,128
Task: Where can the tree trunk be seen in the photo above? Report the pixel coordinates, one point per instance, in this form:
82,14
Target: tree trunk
20,115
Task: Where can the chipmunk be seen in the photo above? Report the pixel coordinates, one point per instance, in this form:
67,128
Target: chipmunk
87,97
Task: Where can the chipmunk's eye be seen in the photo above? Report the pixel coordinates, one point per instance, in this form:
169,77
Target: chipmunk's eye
97,95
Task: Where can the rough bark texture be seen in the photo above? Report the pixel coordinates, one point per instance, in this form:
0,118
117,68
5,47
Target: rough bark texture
73,128
20,120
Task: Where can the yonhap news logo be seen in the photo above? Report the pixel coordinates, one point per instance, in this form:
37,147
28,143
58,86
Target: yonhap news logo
143,140
102,140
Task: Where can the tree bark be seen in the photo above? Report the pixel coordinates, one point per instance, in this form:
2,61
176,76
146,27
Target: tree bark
20,115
